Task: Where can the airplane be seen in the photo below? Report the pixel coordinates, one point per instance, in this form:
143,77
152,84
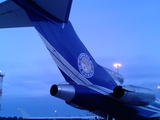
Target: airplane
88,85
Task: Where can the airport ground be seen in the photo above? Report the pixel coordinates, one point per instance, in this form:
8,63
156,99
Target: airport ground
20,118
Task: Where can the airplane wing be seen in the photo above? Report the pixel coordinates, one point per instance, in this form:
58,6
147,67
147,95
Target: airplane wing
11,15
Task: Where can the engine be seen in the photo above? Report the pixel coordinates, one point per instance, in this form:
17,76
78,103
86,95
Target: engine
129,94
63,91
80,97
134,95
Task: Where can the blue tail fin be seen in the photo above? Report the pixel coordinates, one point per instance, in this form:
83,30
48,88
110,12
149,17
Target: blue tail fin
71,56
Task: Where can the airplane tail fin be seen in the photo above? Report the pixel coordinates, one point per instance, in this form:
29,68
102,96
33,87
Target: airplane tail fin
50,19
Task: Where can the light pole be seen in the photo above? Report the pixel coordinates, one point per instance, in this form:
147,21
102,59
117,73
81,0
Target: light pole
117,65
55,113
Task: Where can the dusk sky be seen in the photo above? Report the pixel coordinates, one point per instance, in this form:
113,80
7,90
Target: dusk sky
123,31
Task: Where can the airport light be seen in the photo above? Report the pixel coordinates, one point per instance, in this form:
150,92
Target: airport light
55,113
117,65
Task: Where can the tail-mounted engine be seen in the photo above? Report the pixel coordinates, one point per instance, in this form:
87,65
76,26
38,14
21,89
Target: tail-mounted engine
134,95
63,91
80,97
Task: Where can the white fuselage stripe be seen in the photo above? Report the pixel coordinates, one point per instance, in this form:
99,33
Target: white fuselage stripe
65,66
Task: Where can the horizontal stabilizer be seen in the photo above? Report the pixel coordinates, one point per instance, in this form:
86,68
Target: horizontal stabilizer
11,15
58,8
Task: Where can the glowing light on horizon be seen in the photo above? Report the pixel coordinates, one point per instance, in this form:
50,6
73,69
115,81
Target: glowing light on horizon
116,65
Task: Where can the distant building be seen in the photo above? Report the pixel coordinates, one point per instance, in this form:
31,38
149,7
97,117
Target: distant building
1,80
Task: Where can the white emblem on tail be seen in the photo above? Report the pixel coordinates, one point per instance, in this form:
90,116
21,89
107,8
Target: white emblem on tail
85,65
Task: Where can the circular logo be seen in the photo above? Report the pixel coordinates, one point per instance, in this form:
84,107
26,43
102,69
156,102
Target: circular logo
85,65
